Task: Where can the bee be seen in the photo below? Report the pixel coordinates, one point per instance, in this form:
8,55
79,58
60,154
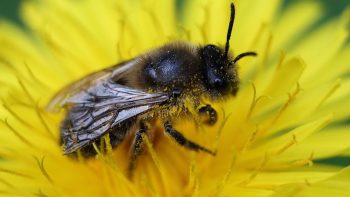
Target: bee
136,92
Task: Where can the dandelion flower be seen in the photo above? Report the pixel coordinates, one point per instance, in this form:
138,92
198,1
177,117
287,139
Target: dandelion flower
290,113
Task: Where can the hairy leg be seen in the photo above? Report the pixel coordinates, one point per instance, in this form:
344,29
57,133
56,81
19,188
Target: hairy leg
209,114
180,139
136,148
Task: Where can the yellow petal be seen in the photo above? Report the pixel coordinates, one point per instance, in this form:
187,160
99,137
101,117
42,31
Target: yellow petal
337,185
282,143
320,145
316,53
292,23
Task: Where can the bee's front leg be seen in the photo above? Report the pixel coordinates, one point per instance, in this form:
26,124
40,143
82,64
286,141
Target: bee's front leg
209,113
136,148
181,139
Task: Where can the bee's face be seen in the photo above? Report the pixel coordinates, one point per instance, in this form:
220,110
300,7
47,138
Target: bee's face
220,73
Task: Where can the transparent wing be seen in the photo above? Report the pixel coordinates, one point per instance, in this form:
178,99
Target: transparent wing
59,99
100,107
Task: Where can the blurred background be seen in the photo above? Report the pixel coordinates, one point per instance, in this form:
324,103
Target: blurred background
9,10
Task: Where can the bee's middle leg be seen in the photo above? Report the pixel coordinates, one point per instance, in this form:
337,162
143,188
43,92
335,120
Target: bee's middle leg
210,114
136,148
183,141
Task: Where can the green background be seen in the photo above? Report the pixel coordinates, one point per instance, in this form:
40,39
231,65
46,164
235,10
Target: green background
9,10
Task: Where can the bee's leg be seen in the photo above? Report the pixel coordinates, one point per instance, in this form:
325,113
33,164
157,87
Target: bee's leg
180,139
136,148
210,114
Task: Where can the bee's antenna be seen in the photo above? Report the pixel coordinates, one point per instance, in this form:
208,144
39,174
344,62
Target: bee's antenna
229,31
240,56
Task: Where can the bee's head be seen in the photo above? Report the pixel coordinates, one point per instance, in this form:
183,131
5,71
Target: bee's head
220,69
220,73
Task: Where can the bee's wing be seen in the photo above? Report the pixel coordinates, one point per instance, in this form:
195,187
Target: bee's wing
100,107
59,99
